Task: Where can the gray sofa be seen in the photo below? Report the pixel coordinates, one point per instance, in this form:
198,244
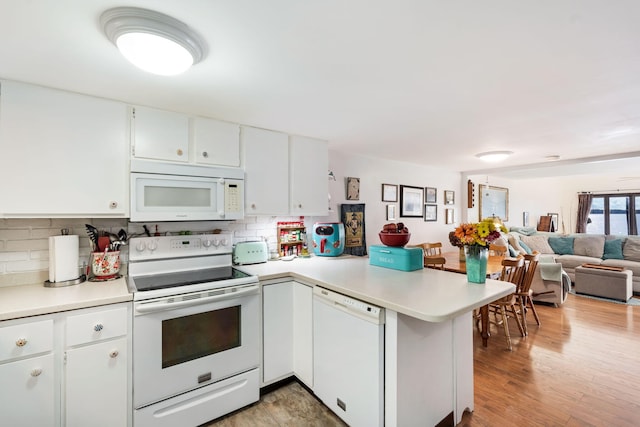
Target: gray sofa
573,250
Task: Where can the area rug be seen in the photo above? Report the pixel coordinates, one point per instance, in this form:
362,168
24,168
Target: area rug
632,301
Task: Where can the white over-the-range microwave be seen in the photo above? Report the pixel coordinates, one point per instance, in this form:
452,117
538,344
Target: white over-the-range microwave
176,192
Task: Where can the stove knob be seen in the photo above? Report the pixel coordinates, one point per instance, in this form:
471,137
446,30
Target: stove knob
152,245
206,243
216,243
224,242
141,246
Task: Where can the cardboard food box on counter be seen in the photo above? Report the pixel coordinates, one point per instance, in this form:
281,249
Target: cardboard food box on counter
403,259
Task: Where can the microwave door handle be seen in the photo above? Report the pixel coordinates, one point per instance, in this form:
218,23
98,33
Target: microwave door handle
220,195
153,307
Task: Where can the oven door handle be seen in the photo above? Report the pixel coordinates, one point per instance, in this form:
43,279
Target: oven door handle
166,304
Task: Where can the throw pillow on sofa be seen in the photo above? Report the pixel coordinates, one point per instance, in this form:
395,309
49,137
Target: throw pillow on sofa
631,250
561,245
527,250
613,249
537,243
592,246
515,242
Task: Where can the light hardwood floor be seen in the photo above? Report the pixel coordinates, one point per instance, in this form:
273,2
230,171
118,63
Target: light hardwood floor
581,367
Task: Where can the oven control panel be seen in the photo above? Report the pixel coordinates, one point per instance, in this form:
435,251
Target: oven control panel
157,247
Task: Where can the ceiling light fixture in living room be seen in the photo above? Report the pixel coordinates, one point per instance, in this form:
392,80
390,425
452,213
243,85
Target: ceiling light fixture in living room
494,156
153,41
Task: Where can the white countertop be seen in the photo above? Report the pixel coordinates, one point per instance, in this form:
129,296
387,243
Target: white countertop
427,294
31,300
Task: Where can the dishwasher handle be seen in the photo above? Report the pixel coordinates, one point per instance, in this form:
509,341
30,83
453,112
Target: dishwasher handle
348,305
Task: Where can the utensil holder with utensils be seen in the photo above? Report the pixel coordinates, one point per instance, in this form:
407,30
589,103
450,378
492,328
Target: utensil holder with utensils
105,265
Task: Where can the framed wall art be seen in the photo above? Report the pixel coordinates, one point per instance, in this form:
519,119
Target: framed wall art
352,216
389,193
494,202
448,216
430,212
411,201
391,212
353,188
449,197
525,219
430,195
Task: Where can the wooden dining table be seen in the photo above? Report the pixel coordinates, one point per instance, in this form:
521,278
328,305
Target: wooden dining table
494,267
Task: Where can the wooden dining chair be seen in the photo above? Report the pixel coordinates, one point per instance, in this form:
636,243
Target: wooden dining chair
505,307
432,249
435,262
524,292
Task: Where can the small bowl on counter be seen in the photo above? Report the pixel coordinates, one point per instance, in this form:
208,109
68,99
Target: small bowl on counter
394,239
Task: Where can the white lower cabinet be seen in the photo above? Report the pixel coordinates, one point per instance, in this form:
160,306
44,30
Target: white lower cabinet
27,377
96,383
96,367
27,388
287,331
66,369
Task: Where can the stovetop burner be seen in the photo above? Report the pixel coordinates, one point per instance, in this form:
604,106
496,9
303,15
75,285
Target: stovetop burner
185,278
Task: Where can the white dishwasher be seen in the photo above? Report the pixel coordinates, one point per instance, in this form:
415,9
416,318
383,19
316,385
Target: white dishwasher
348,357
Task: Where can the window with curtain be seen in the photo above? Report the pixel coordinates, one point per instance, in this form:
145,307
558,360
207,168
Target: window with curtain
615,214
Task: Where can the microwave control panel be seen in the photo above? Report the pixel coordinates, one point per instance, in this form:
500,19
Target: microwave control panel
233,196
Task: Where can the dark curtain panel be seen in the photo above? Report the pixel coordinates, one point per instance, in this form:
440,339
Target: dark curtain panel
584,207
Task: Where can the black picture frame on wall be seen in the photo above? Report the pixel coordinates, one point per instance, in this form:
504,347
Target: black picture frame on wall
352,216
411,201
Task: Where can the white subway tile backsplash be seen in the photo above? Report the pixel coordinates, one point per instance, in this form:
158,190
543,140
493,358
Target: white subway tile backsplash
15,234
24,243
21,266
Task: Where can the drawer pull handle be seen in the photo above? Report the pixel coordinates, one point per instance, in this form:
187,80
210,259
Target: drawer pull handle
36,372
113,354
98,327
21,342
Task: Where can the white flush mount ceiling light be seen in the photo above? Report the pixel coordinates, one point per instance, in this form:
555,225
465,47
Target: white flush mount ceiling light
494,156
152,41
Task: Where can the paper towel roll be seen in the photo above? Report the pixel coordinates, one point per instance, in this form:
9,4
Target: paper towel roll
63,258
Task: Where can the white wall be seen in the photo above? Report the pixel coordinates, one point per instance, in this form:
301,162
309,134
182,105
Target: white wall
373,173
541,196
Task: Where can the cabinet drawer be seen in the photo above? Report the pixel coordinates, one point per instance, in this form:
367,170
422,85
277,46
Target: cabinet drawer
96,326
26,339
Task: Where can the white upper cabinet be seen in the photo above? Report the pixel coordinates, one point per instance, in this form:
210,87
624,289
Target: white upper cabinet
266,165
63,154
308,168
284,175
160,135
177,137
215,142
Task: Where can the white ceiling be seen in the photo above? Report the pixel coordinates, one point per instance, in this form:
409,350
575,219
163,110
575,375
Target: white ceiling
422,81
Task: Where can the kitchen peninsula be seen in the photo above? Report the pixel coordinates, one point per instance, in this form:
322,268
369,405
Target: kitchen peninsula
428,343
428,360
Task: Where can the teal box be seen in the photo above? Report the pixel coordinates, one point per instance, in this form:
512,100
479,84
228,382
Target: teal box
403,259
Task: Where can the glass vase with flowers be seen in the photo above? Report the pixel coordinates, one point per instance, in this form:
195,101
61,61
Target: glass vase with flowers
476,238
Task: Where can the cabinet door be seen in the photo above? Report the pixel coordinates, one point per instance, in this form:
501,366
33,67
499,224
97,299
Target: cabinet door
215,142
266,164
28,393
309,186
63,154
303,333
160,135
277,311
96,384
